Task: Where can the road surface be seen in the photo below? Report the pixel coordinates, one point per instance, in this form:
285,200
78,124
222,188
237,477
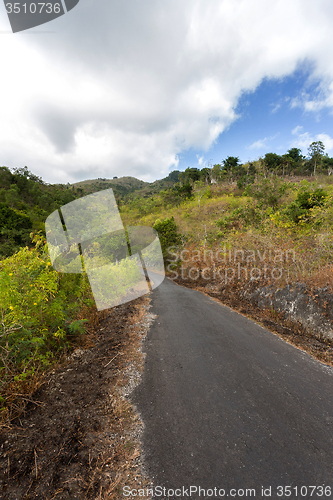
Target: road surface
229,405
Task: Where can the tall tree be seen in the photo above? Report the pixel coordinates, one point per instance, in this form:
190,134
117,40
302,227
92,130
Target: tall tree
316,151
216,173
295,154
205,174
190,175
230,166
273,162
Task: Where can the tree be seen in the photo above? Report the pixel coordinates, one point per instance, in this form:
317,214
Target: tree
273,162
327,164
177,194
190,175
15,229
296,154
287,162
230,167
316,151
268,192
292,161
184,192
246,175
205,174
12,196
216,173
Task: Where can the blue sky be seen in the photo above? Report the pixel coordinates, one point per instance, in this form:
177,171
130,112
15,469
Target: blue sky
270,120
115,88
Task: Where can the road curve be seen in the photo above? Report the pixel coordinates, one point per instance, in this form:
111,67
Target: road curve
228,404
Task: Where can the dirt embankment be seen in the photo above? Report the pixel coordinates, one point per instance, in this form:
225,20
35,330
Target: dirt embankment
79,437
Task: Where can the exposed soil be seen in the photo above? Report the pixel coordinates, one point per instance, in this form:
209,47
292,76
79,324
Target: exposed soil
291,332
80,437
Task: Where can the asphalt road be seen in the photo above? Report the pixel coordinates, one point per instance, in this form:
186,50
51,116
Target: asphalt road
229,405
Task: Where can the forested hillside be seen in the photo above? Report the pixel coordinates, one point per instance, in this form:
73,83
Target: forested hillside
25,202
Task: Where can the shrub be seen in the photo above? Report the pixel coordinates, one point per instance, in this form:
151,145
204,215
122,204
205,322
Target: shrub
241,217
168,234
40,312
15,228
268,192
306,200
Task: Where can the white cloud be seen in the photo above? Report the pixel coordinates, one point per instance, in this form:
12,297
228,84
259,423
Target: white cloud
276,108
122,88
304,139
260,144
320,99
201,161
326,140
297,130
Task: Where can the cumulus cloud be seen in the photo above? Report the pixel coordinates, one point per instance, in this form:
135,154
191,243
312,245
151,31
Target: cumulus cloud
123,88
326,140
304,139
322,99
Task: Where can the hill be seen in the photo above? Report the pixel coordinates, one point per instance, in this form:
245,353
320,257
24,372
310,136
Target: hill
128,187
122,186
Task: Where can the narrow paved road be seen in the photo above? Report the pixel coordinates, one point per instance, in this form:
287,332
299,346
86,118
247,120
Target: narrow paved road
227,404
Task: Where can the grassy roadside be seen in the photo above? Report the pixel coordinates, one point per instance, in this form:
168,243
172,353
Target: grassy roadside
269,218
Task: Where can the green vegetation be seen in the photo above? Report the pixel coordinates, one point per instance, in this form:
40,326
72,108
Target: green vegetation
168,234
25,203
121,187
272,202
41,318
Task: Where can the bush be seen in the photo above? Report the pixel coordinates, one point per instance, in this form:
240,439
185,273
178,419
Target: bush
15,228
306,200
40,310
240,218
268,192
168,234
177,194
